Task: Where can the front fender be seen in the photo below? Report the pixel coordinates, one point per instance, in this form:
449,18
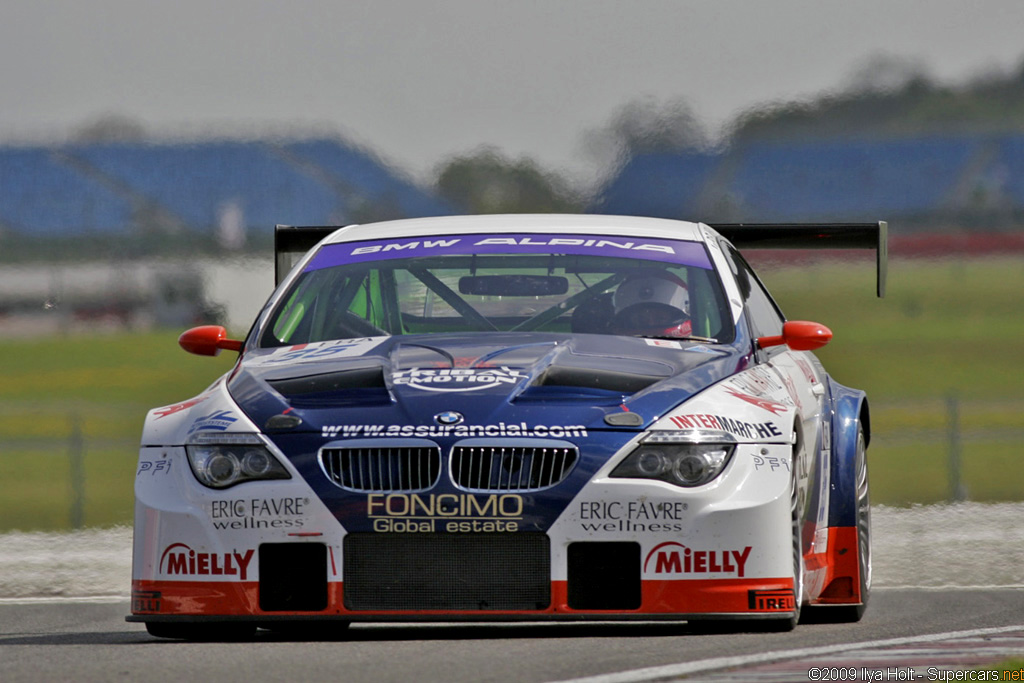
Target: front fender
849,412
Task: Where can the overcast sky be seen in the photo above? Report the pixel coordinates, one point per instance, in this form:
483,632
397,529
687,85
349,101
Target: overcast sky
418,81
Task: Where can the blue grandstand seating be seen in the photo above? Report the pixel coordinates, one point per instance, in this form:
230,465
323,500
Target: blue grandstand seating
824,180
42,195
367,179
1008,168
662,185
193,182
849,179
119,186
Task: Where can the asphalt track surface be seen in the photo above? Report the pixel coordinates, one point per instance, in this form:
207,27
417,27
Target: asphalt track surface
90,641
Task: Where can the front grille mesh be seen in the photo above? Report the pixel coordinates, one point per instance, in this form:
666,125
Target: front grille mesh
390,468
471,572
511,468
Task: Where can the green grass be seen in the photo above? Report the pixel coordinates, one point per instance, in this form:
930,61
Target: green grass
100,386
104,370
946,329
920,473
38,492
943,327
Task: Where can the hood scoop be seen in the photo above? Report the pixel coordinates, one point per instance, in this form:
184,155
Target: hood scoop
602,379
338,388
583,377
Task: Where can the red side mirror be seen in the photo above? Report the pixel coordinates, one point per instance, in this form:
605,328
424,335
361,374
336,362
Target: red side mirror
208,340
799,335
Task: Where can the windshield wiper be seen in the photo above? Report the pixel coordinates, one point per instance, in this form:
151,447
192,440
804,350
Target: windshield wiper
707,340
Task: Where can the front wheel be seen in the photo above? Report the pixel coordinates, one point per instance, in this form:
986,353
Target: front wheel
790,623
836,614
855,612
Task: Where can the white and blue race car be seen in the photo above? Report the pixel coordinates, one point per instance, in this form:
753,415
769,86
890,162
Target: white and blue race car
511,418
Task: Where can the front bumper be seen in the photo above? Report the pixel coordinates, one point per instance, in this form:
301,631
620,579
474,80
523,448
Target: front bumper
621,550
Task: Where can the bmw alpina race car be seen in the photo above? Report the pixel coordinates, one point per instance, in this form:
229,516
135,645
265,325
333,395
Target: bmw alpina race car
511,418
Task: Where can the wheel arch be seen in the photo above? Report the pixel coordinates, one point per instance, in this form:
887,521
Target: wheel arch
849,413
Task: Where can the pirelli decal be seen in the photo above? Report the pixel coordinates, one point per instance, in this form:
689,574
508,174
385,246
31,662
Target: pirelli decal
771,601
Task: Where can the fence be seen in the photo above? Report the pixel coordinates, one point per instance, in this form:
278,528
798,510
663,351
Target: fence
65,471
946,449
77,469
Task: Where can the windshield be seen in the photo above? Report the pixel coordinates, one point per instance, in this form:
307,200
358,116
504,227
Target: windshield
486,283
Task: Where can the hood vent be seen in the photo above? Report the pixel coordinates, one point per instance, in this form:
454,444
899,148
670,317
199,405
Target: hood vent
350,387
595,378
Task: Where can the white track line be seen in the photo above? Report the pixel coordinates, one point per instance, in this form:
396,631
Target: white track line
66,599
951,586
673,670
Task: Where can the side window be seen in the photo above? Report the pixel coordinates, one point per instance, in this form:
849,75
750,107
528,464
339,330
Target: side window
765,317
708,309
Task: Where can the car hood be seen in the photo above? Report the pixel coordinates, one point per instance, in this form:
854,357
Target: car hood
364,387
590,393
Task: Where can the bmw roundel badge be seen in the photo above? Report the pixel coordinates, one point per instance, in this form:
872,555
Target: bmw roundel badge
448,417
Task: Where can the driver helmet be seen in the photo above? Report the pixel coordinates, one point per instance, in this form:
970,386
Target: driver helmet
658,304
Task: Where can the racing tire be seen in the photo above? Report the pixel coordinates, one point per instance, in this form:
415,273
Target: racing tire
789,623
207,631
838,614
853,613
856,612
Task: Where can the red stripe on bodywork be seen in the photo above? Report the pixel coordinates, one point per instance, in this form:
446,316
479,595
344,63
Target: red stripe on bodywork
840,567
226,598
707,595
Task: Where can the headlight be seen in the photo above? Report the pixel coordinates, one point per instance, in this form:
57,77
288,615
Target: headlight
220,460
688,458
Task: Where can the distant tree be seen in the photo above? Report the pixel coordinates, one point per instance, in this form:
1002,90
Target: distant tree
643,126
647,125
884,73
888,95
110,128
487,182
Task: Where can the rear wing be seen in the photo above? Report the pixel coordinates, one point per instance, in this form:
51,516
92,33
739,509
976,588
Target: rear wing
813,236
292,242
